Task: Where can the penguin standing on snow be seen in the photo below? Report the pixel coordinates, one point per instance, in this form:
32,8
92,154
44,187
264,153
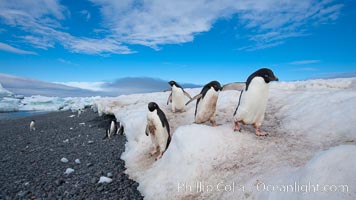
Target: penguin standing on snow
253,100
206,103
33,125
158,128
176,97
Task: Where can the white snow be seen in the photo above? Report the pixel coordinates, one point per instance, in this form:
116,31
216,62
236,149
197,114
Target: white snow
43,103
68,171
55,103
334,170
104,179
64,160
77,161
11,102
303,119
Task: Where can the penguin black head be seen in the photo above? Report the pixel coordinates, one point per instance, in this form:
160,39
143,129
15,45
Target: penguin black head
33,120
152,106
266,74
171,83
215,84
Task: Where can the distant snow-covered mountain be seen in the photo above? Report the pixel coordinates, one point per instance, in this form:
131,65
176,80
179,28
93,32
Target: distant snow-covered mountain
29,87
128,85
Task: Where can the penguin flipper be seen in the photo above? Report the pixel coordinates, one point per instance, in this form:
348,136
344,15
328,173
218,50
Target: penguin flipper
169,98
239,86
147,130
121,130
168,89
187,94
194,98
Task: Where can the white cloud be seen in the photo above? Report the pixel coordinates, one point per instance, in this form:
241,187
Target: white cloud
86,14
304,62
93,86
66,61
155,23
8,48
33,17
306,69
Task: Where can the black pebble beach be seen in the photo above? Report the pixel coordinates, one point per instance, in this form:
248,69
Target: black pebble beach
31,166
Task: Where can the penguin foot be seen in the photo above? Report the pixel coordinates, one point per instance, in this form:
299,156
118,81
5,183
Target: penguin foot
261,133
154,151
159,157
213,123
237,127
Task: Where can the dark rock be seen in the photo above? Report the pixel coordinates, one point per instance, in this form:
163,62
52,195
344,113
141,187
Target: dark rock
93,180
39,164
100,188
59,182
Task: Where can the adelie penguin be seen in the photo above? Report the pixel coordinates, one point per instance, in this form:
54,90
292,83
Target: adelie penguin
33,125
206,103
253,100
158,128
177,97
111,131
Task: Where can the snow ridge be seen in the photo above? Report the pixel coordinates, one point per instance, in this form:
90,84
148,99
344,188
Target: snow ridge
302,119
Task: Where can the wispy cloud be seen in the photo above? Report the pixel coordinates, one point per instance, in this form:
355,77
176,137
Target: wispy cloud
66,61
86,14
304,62
306,69
42,19
8,48
156,23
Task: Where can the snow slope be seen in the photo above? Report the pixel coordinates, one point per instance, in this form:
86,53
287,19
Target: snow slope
302,118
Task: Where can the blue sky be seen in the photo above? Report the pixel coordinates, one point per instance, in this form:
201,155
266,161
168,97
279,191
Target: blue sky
188,41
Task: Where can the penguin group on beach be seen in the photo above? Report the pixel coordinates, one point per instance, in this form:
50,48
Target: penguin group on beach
250,109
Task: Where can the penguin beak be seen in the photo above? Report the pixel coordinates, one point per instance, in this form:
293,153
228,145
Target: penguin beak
275,79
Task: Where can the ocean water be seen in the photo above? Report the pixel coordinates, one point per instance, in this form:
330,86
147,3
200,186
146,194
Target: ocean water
12,115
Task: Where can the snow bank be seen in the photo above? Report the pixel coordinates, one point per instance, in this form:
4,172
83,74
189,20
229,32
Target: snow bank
329,175
302,118
56,103
42,103
317,109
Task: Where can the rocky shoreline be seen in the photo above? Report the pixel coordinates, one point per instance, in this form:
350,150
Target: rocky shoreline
33,164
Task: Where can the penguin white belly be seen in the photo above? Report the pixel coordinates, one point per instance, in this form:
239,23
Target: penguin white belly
253,103
177,99
112,127
159,134
207,106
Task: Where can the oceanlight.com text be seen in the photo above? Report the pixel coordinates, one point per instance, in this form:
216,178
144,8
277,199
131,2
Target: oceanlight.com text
303,188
